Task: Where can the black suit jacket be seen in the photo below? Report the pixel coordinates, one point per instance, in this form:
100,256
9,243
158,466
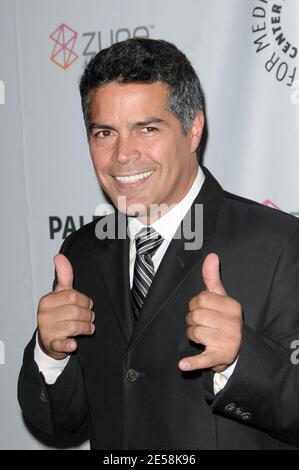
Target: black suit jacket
125,379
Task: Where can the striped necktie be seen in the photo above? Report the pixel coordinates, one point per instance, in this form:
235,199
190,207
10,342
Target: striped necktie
147,243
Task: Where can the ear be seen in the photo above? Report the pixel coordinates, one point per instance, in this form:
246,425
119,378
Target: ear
195,131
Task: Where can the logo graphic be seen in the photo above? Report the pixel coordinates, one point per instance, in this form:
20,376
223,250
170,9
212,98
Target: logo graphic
64,37
275,38
63,53
269,203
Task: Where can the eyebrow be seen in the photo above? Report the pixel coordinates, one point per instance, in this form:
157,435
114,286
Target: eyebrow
95,125
147,122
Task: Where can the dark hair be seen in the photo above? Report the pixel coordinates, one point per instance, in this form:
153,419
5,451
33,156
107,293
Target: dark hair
141,60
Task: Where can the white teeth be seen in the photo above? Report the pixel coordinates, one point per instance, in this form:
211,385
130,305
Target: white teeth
133,178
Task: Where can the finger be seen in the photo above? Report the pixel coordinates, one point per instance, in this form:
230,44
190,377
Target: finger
65,297
211,274
206,317
206,360
216,315
64,273
212,301
66,346
73,328
205,335
71,313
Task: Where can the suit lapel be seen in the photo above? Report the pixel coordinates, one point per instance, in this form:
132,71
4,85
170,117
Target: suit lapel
113,260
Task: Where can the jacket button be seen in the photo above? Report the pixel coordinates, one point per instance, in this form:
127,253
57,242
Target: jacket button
230,407
132,375
245,416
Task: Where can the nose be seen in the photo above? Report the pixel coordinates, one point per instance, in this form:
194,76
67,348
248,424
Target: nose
126,149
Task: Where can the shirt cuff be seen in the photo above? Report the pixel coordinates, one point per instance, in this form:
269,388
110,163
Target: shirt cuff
220,379
50,368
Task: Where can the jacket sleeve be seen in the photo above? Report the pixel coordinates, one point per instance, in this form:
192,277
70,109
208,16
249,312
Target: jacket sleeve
56,408
263,390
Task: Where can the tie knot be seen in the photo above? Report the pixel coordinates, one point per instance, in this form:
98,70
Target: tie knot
148,241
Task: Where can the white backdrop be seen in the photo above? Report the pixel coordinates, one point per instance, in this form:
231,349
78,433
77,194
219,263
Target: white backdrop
245,52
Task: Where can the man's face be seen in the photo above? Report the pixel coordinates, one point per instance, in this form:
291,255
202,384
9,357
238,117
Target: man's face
138,147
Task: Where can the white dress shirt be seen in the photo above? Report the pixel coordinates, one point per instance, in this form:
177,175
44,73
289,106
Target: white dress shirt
166,226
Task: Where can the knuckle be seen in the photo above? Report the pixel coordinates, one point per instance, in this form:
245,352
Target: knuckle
236,325
202,298
192,303
85,328
197,334
43,319
189,318
204,294
192,317
87,301
235,307
197,316
239,323
189,333
75,311
72,296
43,301
70,328
239,312
90,328
40,314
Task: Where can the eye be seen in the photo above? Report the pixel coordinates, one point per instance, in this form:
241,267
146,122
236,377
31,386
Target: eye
149,129
102,134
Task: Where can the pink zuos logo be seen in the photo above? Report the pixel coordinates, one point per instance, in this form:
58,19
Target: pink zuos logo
63,53
269,203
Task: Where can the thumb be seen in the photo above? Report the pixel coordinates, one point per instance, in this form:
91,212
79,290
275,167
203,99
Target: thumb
64,272
211,274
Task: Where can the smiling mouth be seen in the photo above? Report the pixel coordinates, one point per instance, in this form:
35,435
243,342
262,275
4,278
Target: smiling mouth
133,178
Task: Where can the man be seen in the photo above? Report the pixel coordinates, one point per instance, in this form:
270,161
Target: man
144,336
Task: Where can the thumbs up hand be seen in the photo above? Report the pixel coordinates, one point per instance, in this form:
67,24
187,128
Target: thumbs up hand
214,320
63,314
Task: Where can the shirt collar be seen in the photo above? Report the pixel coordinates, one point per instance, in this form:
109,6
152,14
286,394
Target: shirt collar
167,225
